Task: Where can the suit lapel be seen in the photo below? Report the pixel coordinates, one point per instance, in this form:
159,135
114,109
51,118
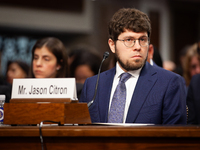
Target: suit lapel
105,86
144,84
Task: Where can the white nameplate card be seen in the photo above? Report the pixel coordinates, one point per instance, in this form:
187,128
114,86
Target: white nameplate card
44,88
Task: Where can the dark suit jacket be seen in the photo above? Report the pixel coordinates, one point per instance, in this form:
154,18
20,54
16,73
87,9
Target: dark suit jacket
5,89
159,97
193,100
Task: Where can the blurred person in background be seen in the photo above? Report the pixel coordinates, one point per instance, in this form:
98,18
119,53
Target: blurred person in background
181,60
16,69
85,63
50,60
169,65
192,63
193,100
5,89
193,97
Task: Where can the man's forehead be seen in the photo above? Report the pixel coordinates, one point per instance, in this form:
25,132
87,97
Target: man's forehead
133,34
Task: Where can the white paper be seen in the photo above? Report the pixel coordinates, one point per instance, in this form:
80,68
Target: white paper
123,124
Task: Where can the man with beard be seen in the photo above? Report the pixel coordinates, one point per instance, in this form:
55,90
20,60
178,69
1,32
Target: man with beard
148,94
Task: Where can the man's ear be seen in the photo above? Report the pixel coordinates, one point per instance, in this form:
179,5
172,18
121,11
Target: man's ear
151,51
111,44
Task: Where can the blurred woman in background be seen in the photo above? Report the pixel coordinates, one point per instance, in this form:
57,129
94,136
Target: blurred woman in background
16,69
192,63
49,59
84,63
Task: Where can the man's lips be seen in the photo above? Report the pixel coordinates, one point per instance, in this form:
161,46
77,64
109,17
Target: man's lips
136,56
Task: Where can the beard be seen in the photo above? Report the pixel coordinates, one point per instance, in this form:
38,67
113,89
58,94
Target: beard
130,66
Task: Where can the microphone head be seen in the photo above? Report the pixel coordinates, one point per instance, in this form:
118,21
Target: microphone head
105,55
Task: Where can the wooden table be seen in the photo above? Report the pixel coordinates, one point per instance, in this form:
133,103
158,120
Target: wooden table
100,137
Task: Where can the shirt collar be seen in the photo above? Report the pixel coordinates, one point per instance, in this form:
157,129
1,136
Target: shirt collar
119,71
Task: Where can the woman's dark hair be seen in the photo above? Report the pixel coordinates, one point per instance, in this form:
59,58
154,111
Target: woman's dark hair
56,47
24,66
131,19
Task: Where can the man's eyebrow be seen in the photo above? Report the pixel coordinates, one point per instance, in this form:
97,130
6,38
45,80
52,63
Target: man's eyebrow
134,37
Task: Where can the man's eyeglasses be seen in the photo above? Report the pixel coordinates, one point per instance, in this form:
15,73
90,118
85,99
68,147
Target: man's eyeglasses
130,42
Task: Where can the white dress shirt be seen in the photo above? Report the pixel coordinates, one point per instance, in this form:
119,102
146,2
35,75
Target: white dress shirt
130,86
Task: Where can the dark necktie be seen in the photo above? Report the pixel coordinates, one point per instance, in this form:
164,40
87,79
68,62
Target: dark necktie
116,113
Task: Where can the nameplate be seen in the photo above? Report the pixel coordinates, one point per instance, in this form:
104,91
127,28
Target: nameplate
44,88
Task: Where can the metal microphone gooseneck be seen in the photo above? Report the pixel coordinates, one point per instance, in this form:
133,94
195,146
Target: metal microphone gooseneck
105,55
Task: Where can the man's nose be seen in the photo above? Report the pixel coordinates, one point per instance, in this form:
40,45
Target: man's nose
137,45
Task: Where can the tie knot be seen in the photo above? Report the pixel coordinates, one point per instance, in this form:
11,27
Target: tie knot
124,77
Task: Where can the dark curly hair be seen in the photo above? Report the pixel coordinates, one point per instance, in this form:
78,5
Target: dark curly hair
131,19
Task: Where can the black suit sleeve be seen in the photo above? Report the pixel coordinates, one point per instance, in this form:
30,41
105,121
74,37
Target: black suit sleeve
193,100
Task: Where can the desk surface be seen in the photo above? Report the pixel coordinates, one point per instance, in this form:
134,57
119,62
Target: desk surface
103,131
101,137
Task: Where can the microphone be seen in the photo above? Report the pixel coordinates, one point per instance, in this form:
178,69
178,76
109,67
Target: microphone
105,55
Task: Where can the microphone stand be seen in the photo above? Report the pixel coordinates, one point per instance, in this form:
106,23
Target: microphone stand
105,55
